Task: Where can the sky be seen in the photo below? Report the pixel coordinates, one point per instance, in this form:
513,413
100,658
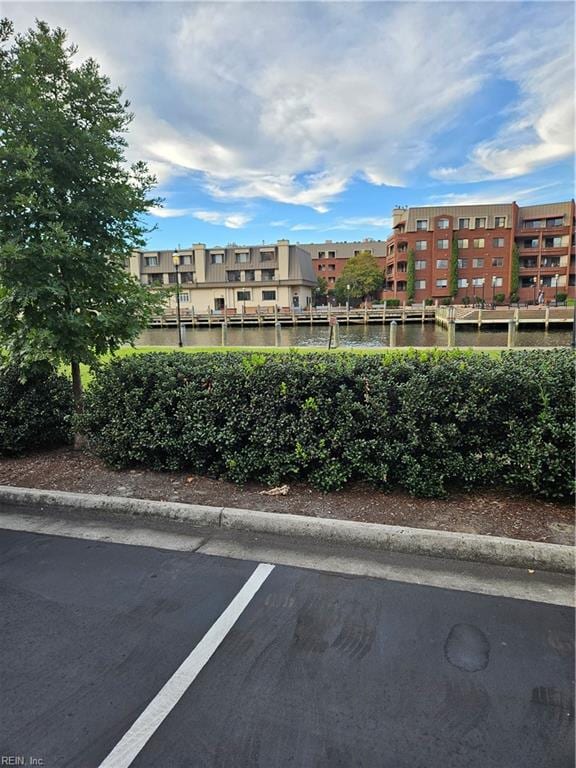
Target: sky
312,120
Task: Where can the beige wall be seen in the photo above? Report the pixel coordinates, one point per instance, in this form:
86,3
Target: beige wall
202,299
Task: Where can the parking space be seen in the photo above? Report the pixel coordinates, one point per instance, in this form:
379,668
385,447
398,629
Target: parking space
317,669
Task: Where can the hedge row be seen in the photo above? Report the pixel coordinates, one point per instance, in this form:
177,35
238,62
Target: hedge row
424,421
35,411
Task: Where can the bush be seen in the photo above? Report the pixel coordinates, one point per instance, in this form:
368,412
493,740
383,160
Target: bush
466,300
423,421
561,298
499,298
446,301
35,411
428,302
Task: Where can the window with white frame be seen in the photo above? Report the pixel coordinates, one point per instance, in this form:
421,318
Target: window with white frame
498,242
480,222
151,261
462,263
477,263
243,295
441,263
463,223
479,242
185,297
186,260
443,223
463,243
477,282
421,225
443,283
421,245
497,282
499,222
462,282
442,245
268,295
242,258
420,285
217,258
498,262
420,264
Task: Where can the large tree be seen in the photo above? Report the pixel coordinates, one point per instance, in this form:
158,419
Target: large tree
70,207
362,274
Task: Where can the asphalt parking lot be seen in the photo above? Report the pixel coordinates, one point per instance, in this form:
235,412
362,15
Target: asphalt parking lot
118,655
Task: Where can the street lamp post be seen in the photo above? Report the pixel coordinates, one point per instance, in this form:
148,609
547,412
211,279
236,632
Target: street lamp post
556,277
534,281
483,284
348,297
176,262
493,291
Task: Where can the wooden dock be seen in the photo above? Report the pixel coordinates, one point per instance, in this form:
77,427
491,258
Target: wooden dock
543,316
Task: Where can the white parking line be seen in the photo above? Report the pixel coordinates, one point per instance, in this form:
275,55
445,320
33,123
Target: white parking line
166,699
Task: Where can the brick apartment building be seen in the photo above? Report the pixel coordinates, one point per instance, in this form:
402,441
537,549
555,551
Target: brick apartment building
485,235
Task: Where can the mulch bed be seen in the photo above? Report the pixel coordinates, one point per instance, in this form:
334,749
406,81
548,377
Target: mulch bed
494,512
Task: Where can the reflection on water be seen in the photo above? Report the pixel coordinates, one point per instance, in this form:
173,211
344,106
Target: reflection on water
416,335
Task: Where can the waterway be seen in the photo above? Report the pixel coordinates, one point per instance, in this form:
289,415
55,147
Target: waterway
355,336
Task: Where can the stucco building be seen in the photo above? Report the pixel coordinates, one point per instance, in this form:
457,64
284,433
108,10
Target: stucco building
234,278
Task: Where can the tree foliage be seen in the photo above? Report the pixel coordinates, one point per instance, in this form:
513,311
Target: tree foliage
515,273
70,206
453,273
411,276
362,274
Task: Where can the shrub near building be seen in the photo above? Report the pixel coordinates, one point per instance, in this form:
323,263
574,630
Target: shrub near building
423,421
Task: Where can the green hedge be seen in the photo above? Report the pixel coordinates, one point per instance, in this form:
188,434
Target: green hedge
35,411
423,421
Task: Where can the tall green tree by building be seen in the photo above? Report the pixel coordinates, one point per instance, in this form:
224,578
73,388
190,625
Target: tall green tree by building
70,207
321,289
411,276
363,275
515,274
453,273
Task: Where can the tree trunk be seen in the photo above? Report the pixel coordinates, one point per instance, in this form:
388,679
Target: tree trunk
79,440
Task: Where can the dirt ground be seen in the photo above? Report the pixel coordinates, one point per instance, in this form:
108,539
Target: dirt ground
498,512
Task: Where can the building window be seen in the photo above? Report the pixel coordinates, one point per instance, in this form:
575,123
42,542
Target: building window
172,277
331,280
243,295
186,260
242,258
479,242
441,263
155,278
420,285
217,258
477,263
555,242
499,222
442,244
364,250
463,282
478,282
498,262
533,243
268,274
321,267
151,261
442,283
331,267
555,222
268,295
187,277
331,254
185,297
463,243
480,222
551,261
249,275
463,223
233,276
421,245
267,255
462,263
498,242
420,265
443,223
321,254
421,225
534,224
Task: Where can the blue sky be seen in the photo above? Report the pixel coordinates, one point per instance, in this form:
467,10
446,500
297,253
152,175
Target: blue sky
310,121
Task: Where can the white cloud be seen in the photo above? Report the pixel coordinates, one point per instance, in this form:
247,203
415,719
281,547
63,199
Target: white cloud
168,213
292,102
353,223
230,220
493,195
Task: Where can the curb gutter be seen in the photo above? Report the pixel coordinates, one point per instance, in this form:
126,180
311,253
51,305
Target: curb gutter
417,541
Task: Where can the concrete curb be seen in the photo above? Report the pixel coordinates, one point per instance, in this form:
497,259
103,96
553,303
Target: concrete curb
417,541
